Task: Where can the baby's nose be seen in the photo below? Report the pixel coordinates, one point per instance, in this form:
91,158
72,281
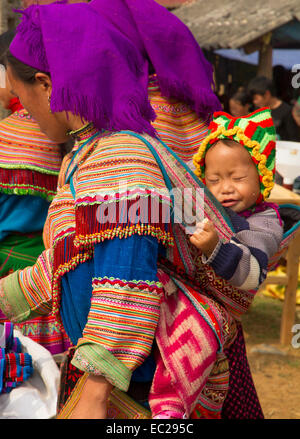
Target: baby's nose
227,187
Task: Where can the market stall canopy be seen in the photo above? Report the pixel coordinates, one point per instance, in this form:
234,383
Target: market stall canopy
226,24
172,3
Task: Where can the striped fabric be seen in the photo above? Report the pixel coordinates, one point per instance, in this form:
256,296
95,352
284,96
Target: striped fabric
34,158
120,167
29,165
46,331
29,290
123,318
177,125
73,227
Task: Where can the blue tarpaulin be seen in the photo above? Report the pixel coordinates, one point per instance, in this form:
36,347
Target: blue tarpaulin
284,57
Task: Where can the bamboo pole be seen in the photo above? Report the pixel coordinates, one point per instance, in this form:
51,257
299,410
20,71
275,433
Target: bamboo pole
289,306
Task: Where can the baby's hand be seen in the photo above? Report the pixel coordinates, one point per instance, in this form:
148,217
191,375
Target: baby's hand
205,237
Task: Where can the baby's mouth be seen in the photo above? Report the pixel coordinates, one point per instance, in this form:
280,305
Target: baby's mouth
229,202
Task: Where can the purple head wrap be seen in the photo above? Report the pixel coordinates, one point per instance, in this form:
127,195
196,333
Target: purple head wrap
98,56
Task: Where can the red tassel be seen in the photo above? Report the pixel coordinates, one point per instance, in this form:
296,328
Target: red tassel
145,216
22,180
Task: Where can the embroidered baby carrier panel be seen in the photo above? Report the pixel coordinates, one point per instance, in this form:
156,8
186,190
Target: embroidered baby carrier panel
29,161
117,182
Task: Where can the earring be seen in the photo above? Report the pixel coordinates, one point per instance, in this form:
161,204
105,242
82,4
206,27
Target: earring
49,103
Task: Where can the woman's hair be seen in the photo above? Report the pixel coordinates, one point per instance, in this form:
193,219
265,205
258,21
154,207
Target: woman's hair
242,96
22,71
5,40
27,74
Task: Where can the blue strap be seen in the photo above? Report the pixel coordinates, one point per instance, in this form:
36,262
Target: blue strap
69,178
159,162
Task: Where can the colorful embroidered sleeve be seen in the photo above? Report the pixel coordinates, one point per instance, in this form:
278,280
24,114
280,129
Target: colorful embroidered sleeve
243,261
26,293
124,311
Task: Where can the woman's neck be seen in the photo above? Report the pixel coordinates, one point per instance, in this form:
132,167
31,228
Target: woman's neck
75,122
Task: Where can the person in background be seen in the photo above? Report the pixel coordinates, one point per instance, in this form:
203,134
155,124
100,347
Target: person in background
263,94
240,103
7,100
296,111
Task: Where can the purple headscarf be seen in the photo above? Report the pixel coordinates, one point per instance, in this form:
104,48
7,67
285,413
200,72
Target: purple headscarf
98,56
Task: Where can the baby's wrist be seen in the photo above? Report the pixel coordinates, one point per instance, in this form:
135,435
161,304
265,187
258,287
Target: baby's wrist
208,259
209,249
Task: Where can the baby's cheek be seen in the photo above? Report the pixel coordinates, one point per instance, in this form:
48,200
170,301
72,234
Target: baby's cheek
213,189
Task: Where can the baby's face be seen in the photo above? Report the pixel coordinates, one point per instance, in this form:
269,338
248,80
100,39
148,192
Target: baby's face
231,176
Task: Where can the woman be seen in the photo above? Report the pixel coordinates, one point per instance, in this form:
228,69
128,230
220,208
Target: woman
29,167
86,270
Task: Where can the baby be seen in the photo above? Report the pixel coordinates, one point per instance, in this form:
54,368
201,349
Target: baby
237,163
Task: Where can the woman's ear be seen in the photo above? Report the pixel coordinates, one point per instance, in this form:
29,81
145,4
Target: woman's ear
44,81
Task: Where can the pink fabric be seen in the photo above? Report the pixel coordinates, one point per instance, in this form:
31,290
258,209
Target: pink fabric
188,349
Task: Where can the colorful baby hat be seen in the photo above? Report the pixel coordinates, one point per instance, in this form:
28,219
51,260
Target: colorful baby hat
256,132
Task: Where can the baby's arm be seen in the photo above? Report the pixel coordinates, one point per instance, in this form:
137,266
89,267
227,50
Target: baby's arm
244,260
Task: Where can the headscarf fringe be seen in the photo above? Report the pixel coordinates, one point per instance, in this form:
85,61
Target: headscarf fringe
202,100
132,114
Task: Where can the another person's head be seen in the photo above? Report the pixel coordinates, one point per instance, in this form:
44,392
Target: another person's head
262,91
237,159
240,103
5,94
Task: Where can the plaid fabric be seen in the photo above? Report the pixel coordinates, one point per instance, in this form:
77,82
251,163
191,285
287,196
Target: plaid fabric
242,401
69,377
